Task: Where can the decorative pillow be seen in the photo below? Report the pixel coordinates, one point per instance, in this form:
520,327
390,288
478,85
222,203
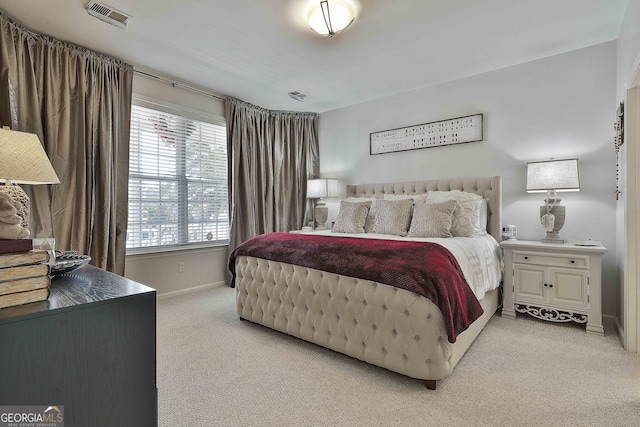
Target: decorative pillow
484,216
466,217
371,216
432,219
417,198
393,217
351,217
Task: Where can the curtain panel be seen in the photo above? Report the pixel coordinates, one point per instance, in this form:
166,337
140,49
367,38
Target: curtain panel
78,102
271,156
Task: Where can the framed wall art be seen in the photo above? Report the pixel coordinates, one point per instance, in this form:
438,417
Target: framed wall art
435,134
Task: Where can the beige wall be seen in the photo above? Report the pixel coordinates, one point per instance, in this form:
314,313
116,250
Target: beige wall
161,270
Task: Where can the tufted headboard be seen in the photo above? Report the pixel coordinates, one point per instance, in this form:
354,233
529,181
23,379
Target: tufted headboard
488,187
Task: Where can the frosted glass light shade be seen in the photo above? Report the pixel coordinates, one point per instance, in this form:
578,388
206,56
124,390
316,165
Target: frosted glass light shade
323,187
330,17
553,175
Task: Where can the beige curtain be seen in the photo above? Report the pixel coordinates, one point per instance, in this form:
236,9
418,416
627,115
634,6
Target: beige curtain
271,156
78,102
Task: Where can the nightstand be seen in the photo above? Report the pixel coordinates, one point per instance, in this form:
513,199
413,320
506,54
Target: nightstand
559,283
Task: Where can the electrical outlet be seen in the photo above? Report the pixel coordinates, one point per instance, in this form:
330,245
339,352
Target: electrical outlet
181,267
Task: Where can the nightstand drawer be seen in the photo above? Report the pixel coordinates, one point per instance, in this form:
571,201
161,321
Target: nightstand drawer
555,260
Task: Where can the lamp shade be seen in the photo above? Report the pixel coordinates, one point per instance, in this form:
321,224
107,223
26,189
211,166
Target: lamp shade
553,175
330,17
23,160
323,187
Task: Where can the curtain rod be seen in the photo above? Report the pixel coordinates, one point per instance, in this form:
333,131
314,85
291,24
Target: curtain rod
180,85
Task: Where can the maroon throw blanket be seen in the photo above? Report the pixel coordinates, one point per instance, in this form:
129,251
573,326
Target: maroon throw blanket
427,269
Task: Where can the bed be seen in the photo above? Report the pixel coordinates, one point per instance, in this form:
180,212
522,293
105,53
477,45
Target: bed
380,324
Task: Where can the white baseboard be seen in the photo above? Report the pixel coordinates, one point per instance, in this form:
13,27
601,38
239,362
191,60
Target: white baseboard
620,331
173,294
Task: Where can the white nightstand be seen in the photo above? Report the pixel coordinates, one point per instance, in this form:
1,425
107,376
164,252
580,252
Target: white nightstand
559,283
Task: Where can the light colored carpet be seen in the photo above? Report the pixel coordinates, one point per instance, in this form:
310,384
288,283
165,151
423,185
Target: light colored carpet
214,370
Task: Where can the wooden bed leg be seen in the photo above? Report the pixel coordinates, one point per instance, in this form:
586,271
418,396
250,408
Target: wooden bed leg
431,384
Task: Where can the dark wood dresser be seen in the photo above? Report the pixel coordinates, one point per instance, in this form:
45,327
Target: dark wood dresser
91,347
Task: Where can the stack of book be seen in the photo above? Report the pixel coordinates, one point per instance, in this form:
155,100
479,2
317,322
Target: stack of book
24,273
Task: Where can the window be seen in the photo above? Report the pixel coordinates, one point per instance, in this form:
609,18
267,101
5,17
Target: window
177,181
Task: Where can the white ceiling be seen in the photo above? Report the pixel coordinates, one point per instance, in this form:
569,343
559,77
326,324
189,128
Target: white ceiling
258,50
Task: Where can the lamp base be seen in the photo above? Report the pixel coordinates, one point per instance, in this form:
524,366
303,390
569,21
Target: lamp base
18,195
552,238
553,207
322,213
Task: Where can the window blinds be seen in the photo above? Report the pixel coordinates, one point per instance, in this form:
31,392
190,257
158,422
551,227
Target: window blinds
177,180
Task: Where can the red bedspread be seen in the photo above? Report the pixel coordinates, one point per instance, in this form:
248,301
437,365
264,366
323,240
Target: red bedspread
427,269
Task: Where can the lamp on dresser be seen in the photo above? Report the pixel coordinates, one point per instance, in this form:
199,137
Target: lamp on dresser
318,189
23,161
552,176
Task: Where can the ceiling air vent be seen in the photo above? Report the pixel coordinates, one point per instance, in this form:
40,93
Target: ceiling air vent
298,96
108,14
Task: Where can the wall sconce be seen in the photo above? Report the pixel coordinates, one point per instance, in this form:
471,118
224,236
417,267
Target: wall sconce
318,189
331,17
552,176
23,161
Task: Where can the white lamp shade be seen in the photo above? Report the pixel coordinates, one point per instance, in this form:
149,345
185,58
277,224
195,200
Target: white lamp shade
332,17
323,187
555,175
23,160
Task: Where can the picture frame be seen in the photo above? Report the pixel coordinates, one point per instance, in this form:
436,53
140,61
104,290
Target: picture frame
458,130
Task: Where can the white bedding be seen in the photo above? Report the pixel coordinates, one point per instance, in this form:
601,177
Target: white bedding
479,256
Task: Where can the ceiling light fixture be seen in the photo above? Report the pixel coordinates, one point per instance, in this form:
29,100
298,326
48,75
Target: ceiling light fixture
330,18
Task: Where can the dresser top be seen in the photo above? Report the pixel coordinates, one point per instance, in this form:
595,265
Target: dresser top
75,290
533,244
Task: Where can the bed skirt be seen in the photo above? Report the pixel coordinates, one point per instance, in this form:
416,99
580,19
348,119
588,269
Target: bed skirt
379,324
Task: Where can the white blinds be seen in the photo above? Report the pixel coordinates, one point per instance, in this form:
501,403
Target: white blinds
177,180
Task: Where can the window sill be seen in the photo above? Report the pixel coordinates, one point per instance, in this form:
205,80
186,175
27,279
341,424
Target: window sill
177,248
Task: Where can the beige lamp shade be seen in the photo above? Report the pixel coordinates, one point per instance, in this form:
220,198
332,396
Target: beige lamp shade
23,160
556,175
322,187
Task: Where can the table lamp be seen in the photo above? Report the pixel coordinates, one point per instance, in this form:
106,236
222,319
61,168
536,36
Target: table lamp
552,176
23,161
318,189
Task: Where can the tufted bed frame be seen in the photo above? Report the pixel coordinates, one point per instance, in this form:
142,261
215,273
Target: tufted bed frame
376,323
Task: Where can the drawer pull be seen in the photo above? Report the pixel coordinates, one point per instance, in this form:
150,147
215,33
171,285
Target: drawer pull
545,285
526,257
551,286
573,261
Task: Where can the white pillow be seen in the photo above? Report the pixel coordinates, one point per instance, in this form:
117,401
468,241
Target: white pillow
371,216
466,217
484,216
393,217
351,217
415,197
432,219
